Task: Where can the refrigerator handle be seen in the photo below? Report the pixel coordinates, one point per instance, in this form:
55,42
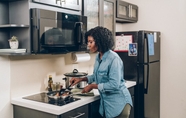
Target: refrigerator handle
147,81
147,48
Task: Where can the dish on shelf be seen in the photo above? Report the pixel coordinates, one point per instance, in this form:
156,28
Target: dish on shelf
12,50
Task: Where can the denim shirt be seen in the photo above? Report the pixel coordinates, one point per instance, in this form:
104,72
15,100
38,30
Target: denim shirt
108,74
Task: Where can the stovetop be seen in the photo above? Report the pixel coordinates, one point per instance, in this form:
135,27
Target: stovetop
42,97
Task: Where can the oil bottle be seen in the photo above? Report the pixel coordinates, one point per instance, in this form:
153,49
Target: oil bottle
50,82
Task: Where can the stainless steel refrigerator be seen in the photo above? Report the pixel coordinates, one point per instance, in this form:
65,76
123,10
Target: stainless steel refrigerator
143,66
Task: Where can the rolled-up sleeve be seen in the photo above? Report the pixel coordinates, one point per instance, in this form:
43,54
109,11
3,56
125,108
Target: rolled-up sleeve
90,78
100,88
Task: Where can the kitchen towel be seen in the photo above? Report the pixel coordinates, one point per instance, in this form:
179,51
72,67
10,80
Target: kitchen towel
80,57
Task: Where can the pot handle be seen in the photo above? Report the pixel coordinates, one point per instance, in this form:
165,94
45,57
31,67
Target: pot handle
64,79
75,71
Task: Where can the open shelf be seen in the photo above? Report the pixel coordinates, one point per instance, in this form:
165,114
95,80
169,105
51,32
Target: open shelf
14,21
13,25
13,52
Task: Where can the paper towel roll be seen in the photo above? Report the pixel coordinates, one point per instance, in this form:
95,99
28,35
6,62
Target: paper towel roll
82,57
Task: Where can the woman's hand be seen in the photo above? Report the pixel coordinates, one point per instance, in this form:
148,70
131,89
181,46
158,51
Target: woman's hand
75,81
89,87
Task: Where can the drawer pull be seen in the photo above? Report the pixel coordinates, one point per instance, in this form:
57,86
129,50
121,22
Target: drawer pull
80,114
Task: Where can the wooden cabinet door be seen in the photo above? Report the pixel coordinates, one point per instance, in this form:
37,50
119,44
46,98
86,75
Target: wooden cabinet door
133,12
91,10
109,15
94,109
100,13
122,9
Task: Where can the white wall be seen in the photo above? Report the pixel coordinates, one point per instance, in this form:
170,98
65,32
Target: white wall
5,106
168,17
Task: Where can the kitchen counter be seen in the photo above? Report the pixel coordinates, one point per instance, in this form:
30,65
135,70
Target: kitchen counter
57,110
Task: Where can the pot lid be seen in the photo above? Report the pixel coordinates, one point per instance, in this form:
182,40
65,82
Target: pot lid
75,73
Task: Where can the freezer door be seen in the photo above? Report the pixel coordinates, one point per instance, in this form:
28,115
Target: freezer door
149,46
130,62
152,97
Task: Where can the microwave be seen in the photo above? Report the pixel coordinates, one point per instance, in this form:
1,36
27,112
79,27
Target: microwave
56,32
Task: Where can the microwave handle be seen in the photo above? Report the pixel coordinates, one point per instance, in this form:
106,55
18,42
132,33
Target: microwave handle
80,31
82,36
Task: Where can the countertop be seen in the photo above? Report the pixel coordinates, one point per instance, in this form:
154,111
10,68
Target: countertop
57,110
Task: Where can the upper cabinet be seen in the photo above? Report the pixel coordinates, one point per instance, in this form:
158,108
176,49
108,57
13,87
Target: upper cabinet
126,12
67,4
100,13
15,18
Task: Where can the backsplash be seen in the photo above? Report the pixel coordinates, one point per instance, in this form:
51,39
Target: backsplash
29,74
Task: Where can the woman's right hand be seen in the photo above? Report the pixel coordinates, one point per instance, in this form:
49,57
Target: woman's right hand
75,81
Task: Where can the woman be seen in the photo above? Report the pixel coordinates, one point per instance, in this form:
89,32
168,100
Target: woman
108,78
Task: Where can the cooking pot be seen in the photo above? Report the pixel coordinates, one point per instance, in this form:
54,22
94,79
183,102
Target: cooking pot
75,74
63,94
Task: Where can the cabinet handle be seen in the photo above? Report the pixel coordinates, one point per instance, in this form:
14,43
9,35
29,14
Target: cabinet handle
130,10
80,114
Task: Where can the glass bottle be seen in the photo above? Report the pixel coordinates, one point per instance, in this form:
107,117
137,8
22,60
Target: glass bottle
50,82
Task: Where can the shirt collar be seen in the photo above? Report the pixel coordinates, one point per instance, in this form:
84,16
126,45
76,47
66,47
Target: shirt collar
104,57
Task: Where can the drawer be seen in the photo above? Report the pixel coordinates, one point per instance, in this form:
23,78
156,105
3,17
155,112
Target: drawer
80,112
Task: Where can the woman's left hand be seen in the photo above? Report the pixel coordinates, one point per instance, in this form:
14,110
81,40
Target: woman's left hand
89,87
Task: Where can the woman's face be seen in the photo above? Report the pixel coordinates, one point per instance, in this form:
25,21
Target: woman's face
91,44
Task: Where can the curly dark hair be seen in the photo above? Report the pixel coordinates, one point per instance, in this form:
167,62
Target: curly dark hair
103,38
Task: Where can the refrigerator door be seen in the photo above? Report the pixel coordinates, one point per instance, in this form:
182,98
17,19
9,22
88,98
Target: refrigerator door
130,67
152,89
149,46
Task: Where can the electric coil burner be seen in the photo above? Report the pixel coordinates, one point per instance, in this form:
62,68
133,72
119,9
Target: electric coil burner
42,97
